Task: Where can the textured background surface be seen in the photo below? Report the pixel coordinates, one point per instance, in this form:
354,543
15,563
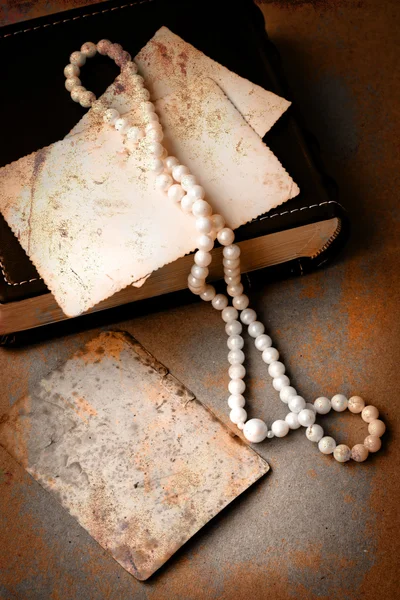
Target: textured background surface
312,528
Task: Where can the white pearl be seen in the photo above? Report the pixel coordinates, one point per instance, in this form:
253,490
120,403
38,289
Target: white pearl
179,171
218,222
156,149
231,263
229,314
103,46
219,302
89,49
286,393
176,192
197,290
203,259
135,134
339,403
280,382
203,224
236,357
77,58
229,280
143,95
322,405
236,401
156,165
72,71
86,99
276,368
296,404
255,431
326,445
270,435
164,182
199,272
188,181
235,342
342,453
121,125
233,327
71,83
256,329
263,341
208,294
111,115
311,407
232,272
197,192
314,433
248,316
170,163
236,386
187,204
232,251
306,417
226,236
194,282
280,428
201,208
237,415
236,371
269,355
292,420
204,242
152,117
241,302
153,125
137,80
129,67
77,92
155,135
235,290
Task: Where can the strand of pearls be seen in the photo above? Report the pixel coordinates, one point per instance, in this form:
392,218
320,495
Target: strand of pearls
180,186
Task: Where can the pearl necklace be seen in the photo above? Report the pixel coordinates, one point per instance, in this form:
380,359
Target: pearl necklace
175,180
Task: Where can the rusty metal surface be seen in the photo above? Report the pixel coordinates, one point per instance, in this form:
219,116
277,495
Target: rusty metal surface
128,451
315,530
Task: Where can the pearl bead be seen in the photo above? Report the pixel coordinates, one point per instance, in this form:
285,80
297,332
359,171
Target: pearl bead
219,302
176,192
225,236
204,242
77,58
103,46
296,404
342,453
235,290
269,355
156,149
248,316
278,383
286,393
232,272
154,135
231,263
110,116
359,453
72,71
311,407
201,208
369,413
236,401
89,49
121,125
197,192
77,93
72,82
263,341
237,415
86,99
229,314
170,163
241,302
195,282
326,445
236,371
187,204
256,329
322,405
156,165
199,272
232,251
235,342
233,327
280,428
270,435
143,95
255,431
137,81
372,443
229,280
306,417
355,404
236,386
129,67
208,294
314,433
188,181
203,259
123,59
218,222
236,357
164,182
276,368
203,224
339,403
153,117
376,427
292,420
179,171
153,125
